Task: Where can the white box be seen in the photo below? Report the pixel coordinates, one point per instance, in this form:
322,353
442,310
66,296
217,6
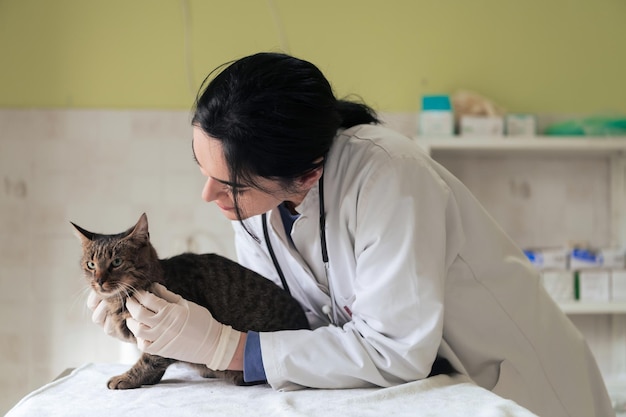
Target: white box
584,259
436,123
594,285
548,258
612,258
618,285
481,126
520,125
559,284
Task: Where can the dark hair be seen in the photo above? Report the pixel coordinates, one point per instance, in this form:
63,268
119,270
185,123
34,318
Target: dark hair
275,116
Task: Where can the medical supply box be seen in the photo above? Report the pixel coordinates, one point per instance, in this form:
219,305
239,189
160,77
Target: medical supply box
618,285
559,284
436,117
594,285
520,125
548,258
481,126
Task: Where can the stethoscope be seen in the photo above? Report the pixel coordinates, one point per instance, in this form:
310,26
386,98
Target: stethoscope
329,311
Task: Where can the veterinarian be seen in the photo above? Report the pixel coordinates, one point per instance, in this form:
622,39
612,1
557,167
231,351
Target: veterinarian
392,257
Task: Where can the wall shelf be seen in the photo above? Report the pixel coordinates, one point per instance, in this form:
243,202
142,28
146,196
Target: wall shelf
611,148
561,145
578,307
523,179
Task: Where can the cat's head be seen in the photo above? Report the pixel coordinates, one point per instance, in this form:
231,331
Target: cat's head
119,264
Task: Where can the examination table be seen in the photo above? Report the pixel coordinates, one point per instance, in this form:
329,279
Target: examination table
182,392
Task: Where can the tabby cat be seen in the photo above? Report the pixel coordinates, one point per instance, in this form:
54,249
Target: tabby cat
118,265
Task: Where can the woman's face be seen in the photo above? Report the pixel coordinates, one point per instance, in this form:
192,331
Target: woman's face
218,187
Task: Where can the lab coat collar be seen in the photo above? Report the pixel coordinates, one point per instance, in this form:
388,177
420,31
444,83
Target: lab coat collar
310,203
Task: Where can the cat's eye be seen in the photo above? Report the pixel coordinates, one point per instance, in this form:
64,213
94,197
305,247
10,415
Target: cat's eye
116,262
91,265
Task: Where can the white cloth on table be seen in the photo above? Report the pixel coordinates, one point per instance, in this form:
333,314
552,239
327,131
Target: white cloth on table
182,392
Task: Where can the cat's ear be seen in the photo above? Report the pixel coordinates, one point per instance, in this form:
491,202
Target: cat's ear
140,230
84,235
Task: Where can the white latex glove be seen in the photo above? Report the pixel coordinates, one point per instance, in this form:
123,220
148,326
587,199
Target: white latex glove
165,324
100,315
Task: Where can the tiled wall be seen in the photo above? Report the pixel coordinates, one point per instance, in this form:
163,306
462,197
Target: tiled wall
102,169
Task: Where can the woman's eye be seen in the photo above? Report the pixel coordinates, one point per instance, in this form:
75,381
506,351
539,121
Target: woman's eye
116,262
91,265
236,190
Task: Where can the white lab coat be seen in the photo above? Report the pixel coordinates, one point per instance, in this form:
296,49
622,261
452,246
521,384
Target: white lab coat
423,269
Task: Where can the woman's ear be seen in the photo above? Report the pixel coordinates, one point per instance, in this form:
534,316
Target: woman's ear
308,180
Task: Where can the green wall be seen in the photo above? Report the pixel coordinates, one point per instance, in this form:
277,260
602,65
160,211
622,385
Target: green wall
542,56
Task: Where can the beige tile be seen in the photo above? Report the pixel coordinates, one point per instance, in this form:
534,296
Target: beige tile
178,156
26,125
182,189
15,157
45,219
14,219
516,197
156,124
15,285
145,189
108,127
145,156
14,251
14,384
101,217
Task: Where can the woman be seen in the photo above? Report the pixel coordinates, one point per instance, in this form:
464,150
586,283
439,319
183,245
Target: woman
393,259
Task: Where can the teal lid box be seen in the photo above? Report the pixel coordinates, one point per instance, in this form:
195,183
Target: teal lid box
435,103
436,117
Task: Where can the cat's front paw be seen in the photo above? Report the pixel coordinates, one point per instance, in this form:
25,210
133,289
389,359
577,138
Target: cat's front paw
122,382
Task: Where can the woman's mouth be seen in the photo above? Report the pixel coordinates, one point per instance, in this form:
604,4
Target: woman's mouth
224,208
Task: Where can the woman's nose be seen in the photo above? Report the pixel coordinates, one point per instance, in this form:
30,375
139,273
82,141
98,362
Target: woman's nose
211,190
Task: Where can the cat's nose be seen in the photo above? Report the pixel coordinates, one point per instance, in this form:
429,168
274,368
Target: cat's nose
99,278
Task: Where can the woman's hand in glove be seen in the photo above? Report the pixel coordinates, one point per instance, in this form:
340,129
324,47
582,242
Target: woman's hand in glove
165,324
100,315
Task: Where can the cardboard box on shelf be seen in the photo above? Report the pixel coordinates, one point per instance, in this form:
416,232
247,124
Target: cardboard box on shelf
520,125
559,284
548,258
481,126
580,258
594,285
618,285
614,258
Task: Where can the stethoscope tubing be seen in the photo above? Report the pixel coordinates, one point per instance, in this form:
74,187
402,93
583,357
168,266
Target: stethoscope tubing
324,249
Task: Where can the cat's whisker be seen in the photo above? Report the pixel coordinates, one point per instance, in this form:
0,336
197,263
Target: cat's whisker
120,295
128,289
80,296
